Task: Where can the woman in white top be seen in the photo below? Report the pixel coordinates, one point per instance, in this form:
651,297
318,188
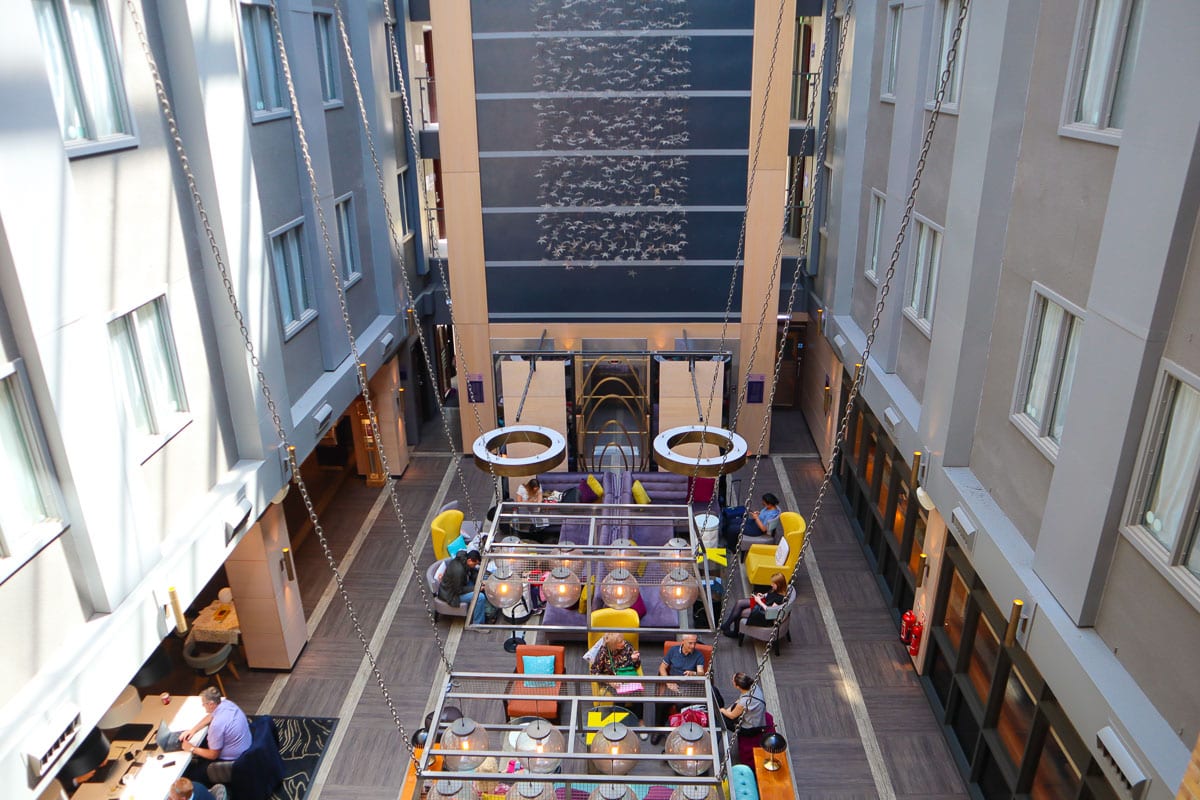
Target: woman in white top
529,492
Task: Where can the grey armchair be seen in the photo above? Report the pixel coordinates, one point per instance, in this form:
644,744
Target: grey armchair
208,662
440,606
762,633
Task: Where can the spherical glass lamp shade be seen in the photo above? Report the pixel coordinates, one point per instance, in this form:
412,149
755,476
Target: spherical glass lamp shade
679,551
540,742
467,737
505,547
568,558
619,589
615,740
694,791
679,589
612,791
624,557
530,790
504,588
453,790
774,744
689,741
562,588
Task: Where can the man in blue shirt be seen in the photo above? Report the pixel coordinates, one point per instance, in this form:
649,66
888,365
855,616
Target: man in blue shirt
682,659
227,738
770,511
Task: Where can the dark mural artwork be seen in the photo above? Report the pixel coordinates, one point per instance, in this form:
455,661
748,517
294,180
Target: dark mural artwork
613,140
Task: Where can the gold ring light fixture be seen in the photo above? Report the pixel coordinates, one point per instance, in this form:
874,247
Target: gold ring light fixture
489,456
732,446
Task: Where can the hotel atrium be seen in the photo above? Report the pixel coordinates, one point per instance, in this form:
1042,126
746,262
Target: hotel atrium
887,309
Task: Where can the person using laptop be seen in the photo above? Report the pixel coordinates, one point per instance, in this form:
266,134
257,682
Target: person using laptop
227,738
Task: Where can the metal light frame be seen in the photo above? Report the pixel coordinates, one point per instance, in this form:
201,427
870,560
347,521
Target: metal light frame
732,446
483,696
649,563
488,458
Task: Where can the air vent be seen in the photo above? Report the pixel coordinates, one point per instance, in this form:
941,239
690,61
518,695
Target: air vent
962,525
1120,766
46,746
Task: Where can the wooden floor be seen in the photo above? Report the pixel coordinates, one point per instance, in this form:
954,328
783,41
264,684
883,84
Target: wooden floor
856,720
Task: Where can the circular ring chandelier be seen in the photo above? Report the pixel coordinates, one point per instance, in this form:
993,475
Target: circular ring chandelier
732,446
488,457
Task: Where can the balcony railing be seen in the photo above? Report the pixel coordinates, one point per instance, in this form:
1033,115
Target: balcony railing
802,83
427,96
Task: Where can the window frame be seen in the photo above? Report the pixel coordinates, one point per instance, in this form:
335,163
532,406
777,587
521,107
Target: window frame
1039,433
1169,561
163,426
329,63
406,226
275,112
1081,43
893,30
78,148
307,313
923,320
394,77
876,200
17,548
348,244
952,101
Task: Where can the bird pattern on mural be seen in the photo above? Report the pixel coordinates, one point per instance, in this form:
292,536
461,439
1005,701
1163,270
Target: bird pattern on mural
619,101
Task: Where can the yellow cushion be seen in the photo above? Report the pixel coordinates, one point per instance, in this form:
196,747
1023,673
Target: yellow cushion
639,494
595,485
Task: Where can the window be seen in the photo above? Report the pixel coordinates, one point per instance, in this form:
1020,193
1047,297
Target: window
264,75
891,55
327,58
348,238
291,282
1166,504
875,232
1106,47
393,68
85,80
402,183
922,287
30,510
1047,369
149,369
947,20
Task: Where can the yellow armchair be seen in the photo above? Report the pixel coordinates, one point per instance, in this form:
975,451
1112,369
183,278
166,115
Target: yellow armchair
625,618
760,561
791,522
444,530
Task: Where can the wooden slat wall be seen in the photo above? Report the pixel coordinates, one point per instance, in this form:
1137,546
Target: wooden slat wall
677,399
545,404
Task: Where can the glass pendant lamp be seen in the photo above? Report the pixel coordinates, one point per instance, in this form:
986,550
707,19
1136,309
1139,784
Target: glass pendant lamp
504,588
612,791
690,742
619,589
540,743
615,740
468,737
562,588
679,589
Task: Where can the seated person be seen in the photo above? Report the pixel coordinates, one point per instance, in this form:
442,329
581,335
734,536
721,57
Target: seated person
530,492
184,789
752,607
461,572
227,738
616,653
770,511
748,714
682,659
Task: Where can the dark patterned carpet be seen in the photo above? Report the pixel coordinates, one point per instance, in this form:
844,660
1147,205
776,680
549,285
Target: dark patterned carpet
302,742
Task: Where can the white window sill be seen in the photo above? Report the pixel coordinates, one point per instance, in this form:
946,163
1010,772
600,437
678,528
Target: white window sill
1179,577
149,445
923,325
93,147
1045,445
1109,136
269,115
294,327
872,278
947,107
353,280
29,544
888,98
336,102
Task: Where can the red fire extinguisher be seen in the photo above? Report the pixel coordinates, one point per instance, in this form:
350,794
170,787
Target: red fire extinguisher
914,646
907,620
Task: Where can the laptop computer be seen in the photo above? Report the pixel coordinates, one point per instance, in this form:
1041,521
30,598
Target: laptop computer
168,740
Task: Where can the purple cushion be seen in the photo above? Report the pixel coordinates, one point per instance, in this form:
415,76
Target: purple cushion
639,606
586,495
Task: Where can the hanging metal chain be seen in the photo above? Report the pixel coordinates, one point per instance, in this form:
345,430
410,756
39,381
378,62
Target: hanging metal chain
951,57
248,344
406,107
360,370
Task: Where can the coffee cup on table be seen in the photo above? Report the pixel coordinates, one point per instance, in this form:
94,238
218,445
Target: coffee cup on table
166,698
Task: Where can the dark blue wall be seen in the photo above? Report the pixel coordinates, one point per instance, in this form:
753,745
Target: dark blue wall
613,140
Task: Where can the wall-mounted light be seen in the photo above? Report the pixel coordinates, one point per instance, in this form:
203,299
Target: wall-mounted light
922,569
177,609
286,565
820,321
892,417
858,370
1014,622
828,399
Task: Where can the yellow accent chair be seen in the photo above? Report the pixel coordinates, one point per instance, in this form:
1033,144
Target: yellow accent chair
624,618
445,529
762,561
